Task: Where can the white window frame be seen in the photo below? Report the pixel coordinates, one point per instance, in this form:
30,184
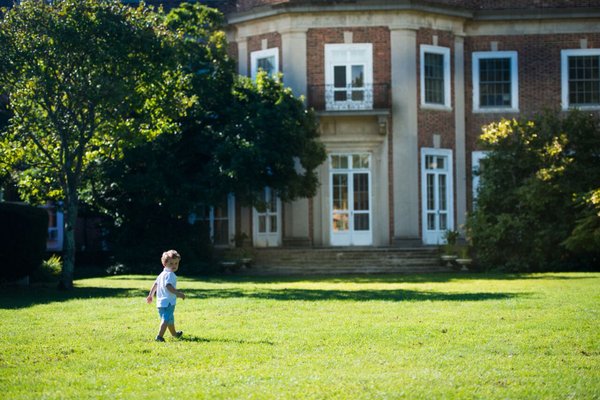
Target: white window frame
514,78
564,76
331,62
445,52
260,54
192,218
476,157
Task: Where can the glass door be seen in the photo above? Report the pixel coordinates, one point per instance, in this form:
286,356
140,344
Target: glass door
350,185
267,221
437,194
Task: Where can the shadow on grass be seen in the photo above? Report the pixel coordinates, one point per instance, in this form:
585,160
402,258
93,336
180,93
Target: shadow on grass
192,338
392,278
12,298
347,295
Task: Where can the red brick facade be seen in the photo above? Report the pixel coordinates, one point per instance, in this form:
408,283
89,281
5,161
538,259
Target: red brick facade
538,68
273,41
315,54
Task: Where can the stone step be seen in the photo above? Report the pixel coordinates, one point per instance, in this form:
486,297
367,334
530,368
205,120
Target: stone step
355,260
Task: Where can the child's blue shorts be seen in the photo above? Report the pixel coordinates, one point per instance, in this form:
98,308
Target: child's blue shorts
167,314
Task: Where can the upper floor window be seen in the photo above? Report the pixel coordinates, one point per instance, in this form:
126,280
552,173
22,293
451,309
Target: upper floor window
349,76
495,81
266,60
435,76
580,75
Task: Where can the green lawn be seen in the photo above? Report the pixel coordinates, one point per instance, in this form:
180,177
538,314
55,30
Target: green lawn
376,337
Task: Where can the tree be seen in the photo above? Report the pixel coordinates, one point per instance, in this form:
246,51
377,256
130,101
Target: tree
238,137
534,181
84,78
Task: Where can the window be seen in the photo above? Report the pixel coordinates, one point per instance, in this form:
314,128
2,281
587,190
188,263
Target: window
349,76
476,166
435,76
266,60
495,81
580,75
217,220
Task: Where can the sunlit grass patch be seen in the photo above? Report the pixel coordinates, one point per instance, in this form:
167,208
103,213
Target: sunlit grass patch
359,337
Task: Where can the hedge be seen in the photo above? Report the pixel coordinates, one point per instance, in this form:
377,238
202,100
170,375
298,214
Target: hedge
22,239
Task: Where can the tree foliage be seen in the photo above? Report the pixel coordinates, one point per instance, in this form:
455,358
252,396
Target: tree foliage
238,137
84,79
535,206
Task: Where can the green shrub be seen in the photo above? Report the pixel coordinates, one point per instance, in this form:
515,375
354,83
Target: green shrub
49,271
529,215
22,239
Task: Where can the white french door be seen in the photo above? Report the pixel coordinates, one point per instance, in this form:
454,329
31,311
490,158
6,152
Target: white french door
267,221
350,184
437,194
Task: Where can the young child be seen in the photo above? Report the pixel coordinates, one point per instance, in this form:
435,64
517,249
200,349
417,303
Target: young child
167,294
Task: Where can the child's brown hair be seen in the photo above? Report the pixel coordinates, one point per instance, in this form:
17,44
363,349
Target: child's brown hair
169,255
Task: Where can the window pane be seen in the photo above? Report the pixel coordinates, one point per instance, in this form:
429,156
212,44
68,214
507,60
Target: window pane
273,221
434,78
360,161
339,76
262,224
442,192
584,80
495,82
358,76
267,64
431,221
340,192
443,222
361,222
361,192
430,192
339,162
340,222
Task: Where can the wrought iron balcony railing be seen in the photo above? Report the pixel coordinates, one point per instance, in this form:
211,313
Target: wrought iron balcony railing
349,98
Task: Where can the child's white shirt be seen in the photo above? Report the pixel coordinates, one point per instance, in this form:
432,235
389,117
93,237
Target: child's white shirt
164,298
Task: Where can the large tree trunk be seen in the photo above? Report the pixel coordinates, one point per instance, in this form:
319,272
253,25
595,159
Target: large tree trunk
68,268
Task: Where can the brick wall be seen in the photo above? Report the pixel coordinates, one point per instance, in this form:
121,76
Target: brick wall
255,44
378,36
432,122
539,77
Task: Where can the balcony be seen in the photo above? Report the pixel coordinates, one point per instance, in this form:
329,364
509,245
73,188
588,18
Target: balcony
350,98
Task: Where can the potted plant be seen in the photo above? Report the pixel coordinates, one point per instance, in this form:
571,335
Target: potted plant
464,260
449,253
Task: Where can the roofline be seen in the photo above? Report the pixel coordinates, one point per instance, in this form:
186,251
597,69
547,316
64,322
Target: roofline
415,6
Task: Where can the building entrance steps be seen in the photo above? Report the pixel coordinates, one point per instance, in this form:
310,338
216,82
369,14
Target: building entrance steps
346,260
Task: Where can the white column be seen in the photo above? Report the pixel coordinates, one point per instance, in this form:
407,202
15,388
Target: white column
405,143
459,126
293,57
242,56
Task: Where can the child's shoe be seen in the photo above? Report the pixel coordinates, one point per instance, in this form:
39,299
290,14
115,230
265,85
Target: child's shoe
159,339
178,334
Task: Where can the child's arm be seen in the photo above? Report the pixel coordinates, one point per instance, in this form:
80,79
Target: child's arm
176,292
151,294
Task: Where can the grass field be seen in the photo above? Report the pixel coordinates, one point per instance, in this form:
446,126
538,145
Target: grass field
375,337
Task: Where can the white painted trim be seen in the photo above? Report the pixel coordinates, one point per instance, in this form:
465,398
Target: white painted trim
267,239
514,69
476,158
260,54
445,52
564,76
427,151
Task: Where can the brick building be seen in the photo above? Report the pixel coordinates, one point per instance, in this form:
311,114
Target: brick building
402,89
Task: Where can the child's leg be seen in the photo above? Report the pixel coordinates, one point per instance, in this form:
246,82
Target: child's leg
163,327
172,329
